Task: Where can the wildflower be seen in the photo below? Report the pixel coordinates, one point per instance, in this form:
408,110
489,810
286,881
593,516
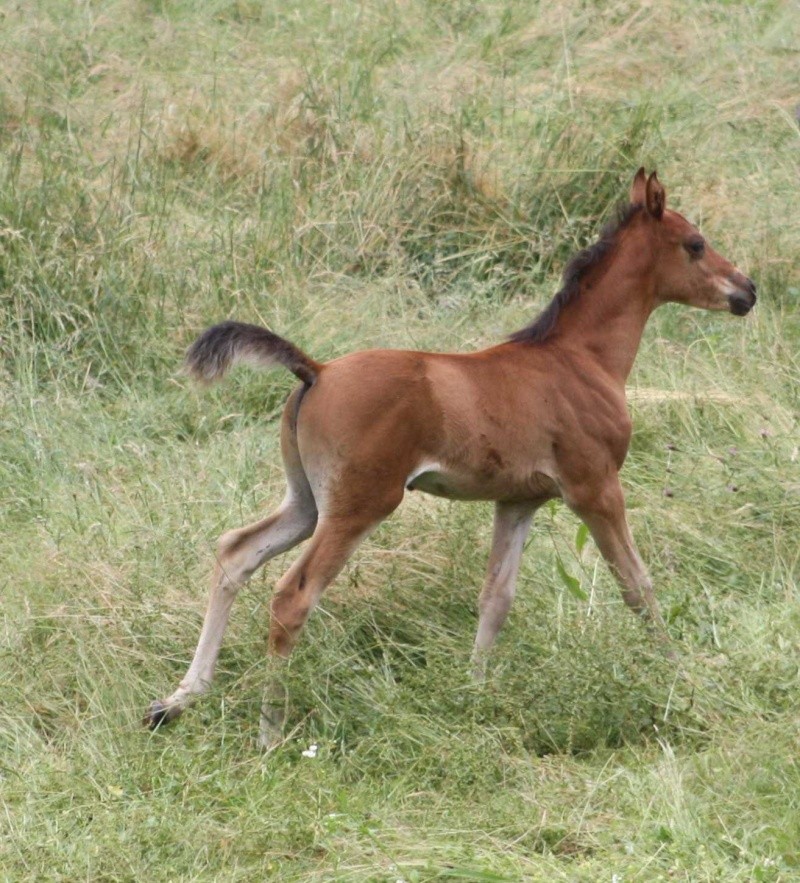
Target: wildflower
311,751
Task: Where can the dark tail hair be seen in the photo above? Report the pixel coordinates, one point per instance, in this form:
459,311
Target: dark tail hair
210,356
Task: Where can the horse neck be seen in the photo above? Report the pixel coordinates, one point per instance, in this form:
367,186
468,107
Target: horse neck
607,318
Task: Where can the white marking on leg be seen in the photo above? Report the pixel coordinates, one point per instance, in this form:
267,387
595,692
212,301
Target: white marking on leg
511,524
240,553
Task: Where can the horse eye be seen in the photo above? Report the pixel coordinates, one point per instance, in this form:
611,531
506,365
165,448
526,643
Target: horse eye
695,247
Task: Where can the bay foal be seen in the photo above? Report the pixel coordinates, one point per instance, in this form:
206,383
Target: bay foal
540,416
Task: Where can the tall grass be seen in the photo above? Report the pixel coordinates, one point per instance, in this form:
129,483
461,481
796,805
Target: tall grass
408,175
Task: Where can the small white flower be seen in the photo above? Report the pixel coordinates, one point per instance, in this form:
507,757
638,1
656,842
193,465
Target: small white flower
311,751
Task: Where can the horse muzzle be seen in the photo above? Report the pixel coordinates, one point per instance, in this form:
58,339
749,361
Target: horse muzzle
743,298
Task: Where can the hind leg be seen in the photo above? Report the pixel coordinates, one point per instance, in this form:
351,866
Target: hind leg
296,595
240,553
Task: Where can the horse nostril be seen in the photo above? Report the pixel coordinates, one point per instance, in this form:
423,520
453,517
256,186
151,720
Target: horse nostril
745,285
740,303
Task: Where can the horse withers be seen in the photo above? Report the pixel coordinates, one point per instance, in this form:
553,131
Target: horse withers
540,416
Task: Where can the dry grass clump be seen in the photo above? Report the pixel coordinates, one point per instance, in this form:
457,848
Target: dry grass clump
292,123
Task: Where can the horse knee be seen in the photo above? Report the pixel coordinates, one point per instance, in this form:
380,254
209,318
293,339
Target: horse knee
289,609
288,614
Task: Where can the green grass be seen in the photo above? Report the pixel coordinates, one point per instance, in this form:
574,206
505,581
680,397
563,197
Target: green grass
407,175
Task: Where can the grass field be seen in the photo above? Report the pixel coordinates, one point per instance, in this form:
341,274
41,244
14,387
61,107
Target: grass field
409,174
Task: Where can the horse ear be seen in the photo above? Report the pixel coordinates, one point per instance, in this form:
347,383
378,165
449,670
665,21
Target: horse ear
655,197
638,187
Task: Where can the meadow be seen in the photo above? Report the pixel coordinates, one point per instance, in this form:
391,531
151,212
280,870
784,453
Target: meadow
409,174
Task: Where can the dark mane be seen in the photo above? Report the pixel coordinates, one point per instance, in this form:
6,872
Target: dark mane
543,325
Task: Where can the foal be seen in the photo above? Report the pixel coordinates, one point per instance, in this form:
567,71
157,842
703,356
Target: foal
540,416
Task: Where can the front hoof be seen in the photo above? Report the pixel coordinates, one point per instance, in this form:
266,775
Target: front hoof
270,729
160,713
269,740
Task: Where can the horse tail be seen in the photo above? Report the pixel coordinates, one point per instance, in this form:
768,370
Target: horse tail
222,346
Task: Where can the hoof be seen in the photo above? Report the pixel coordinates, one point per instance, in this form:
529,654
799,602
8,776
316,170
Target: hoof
160,713
269,740
270,730
270,734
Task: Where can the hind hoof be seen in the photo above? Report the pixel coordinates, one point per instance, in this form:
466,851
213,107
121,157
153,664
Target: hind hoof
159,713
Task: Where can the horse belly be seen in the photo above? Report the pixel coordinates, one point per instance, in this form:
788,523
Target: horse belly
456,485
